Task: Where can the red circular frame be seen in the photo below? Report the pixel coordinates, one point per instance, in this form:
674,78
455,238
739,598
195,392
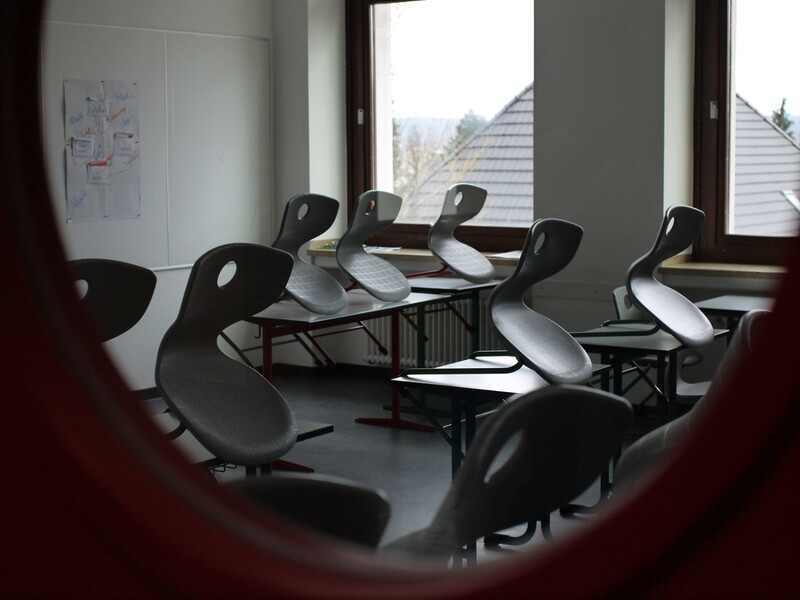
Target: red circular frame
96,503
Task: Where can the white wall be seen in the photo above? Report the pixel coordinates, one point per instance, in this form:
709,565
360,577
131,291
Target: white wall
309,117
678,102
599,131
203,69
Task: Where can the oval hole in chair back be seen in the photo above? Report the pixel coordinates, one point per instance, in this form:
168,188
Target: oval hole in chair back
305,217
537,341
462,202
669,309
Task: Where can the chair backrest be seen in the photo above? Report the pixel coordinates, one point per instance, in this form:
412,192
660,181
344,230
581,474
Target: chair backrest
462,202
341,508
229,407
306,216
537,341
652,449
533,456
669,309
117,293
374,212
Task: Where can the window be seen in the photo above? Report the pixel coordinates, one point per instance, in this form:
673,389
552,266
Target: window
439,92
747,155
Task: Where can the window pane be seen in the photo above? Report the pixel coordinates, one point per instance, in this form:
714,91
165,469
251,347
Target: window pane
765,110
453,102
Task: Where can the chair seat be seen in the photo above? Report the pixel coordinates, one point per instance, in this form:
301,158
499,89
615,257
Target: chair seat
316,290
464,261
377,277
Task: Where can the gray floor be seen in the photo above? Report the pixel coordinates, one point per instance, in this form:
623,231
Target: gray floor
413,468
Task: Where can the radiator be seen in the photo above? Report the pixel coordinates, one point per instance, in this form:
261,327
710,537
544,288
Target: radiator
448,338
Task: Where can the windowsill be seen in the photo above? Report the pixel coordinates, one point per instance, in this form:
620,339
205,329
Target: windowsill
678,265
328,248
683,265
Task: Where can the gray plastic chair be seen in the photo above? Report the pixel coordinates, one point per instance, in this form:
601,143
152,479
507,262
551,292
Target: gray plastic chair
531,457
667,308
229,407
307,216
642,457
339,508
374,212
117,293
686,391
462,202
538,342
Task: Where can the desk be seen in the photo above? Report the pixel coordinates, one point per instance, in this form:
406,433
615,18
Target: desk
733,306
467,392
616,350
288,318
456,288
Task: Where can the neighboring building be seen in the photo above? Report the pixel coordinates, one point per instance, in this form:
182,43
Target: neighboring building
767,177
499,158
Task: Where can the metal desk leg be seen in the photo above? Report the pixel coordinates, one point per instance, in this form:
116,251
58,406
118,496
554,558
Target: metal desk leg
455,435
605,477
672,384
421,356
616,367
475,320
395,421
661,377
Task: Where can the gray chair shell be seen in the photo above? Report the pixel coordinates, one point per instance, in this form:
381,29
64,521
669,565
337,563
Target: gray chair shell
229,407
642,457
537,341
307,216
686,391
374,212
339,508
669,309
531,457
117,293
462,202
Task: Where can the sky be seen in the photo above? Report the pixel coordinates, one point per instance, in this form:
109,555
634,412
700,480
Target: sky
437,47
767,54
428,35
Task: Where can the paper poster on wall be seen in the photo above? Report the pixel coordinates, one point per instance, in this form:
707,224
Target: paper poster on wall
102,154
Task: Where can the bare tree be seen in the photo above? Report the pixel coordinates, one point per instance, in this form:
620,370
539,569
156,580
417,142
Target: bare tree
782,119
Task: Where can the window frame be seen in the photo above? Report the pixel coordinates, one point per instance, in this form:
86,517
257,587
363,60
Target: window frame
360,146
712,143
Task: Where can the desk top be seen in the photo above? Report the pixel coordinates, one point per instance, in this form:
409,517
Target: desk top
448,284
499,384
659,342
360,304
735,304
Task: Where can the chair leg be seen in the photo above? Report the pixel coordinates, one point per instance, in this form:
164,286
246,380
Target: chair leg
546,529
492,541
